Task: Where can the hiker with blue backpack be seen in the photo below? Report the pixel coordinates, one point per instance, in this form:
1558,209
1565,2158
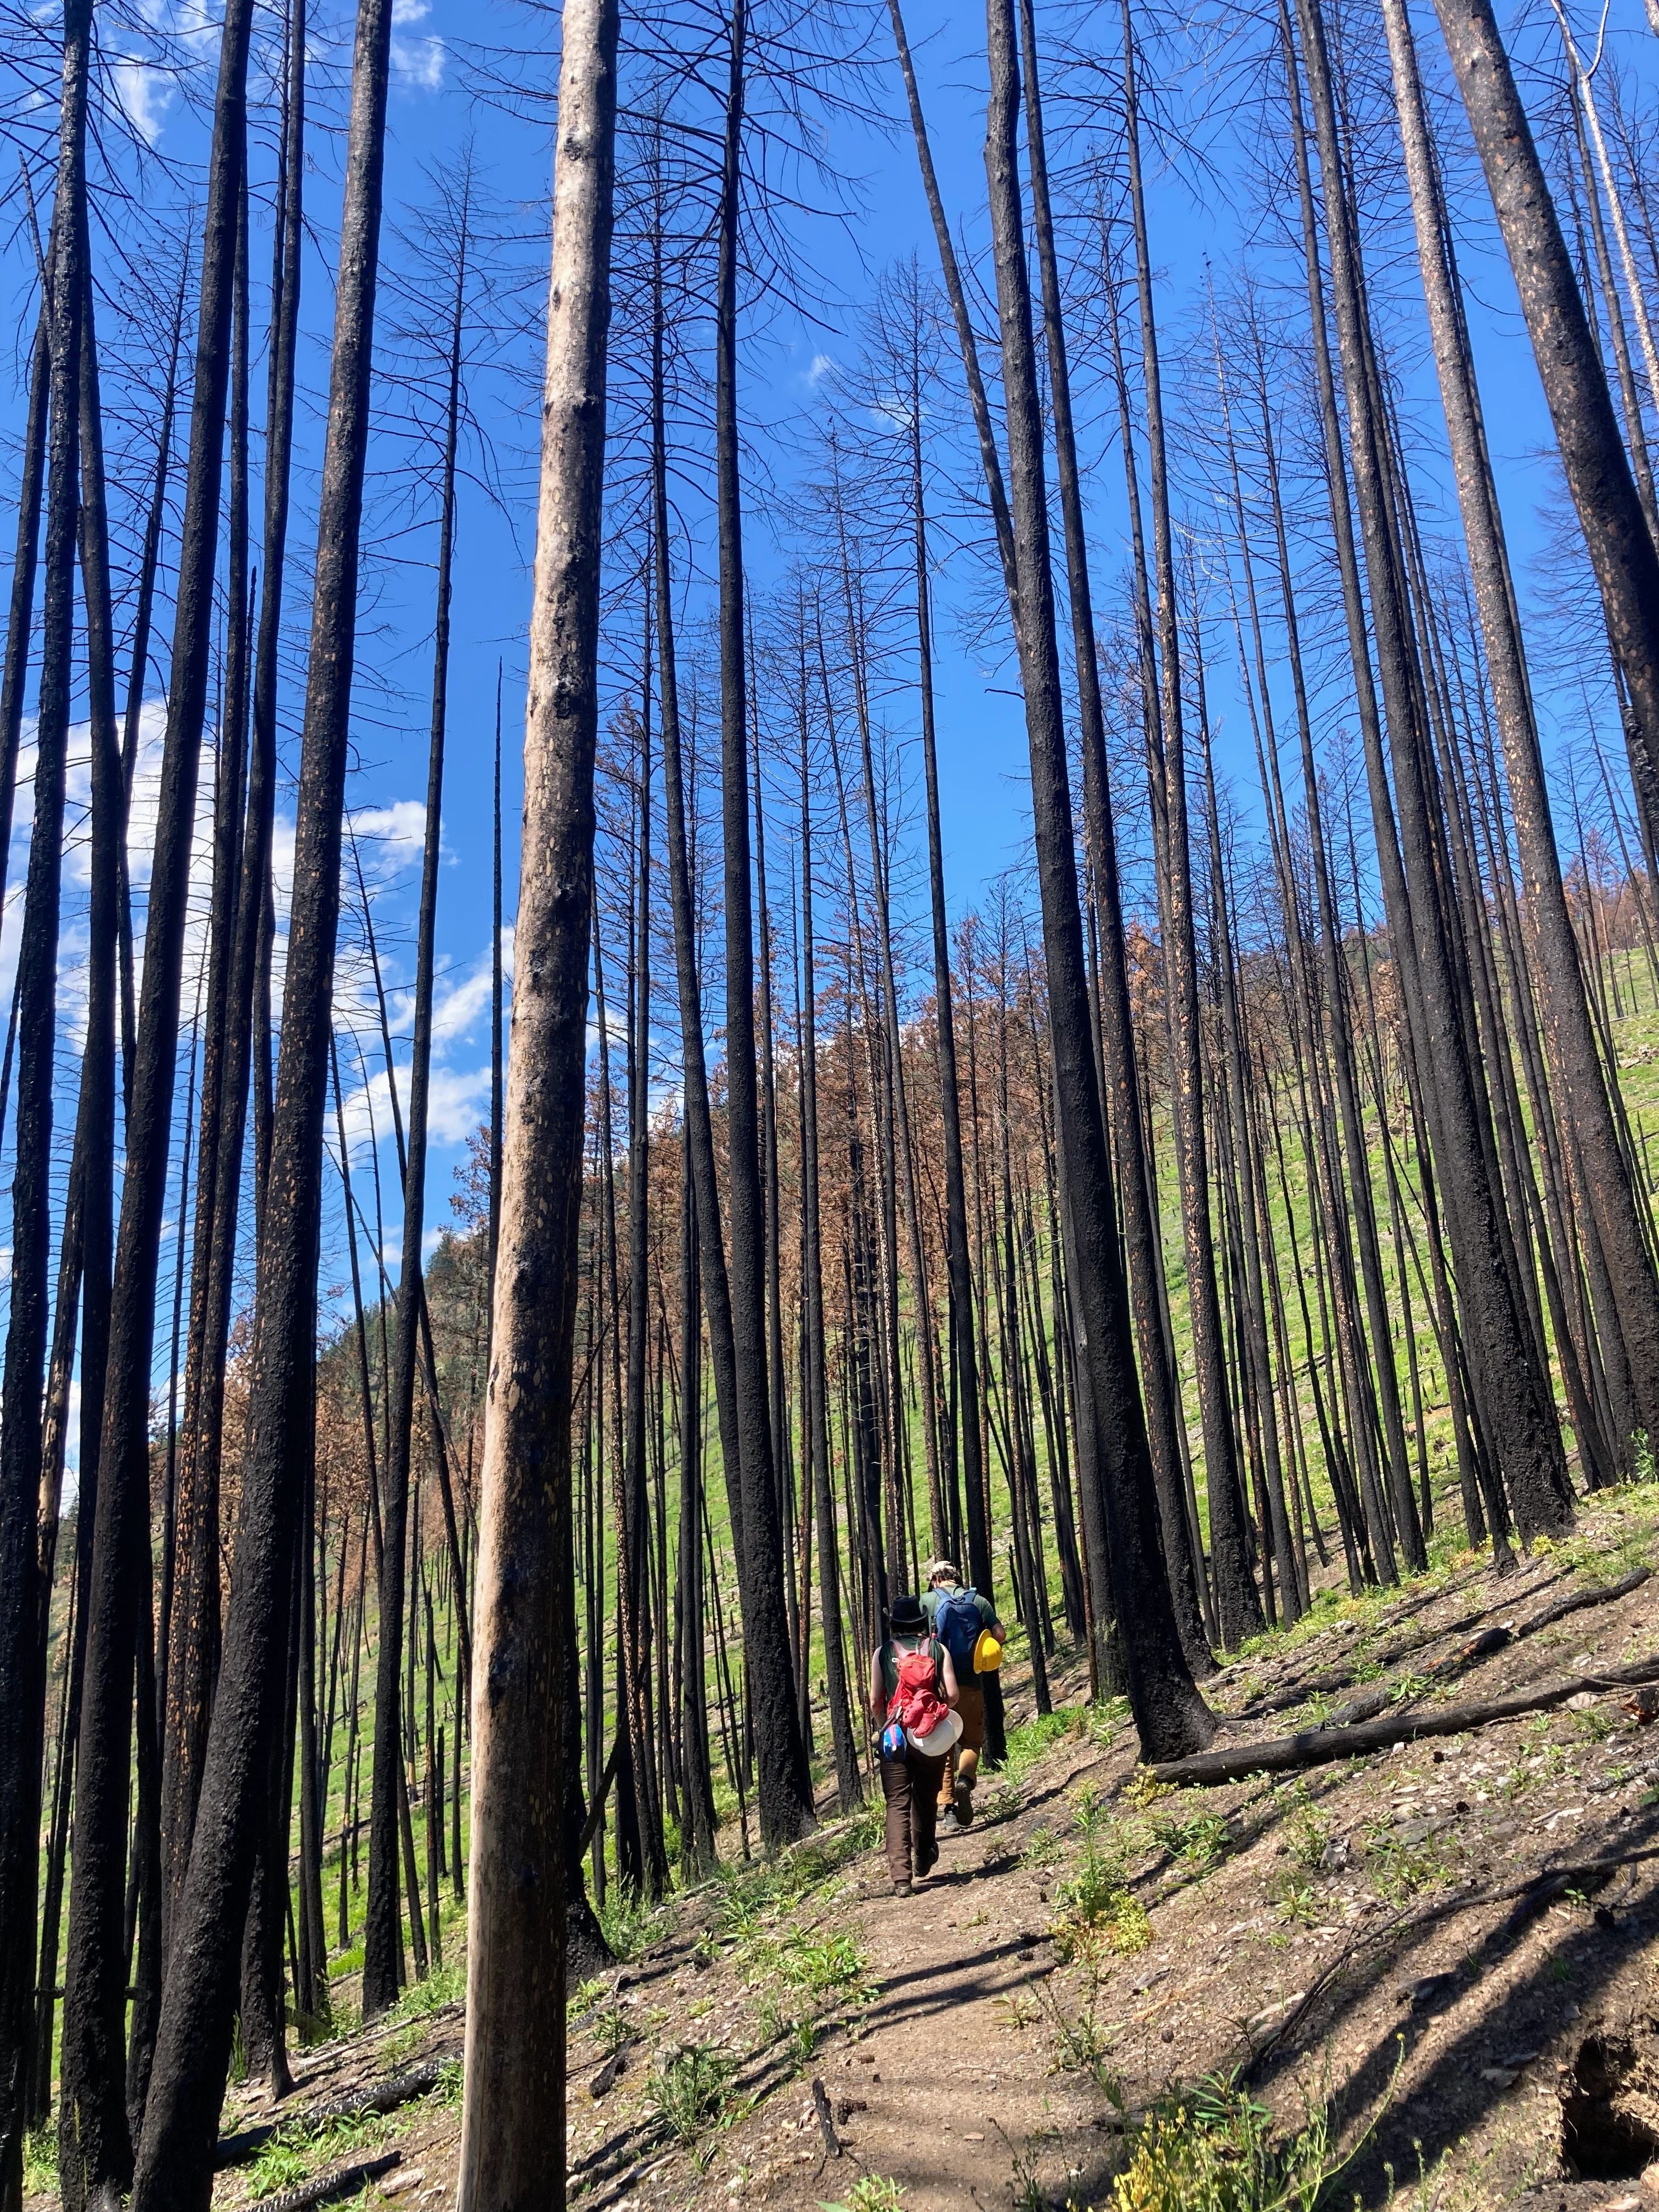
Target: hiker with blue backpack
966,1624
913,1695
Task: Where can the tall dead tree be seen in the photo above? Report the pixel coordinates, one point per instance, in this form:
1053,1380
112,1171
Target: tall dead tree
240,1776
785,1782
513,2148
1164,1699
23,1682
1569,1036
1117,1031
382,1934
94,2145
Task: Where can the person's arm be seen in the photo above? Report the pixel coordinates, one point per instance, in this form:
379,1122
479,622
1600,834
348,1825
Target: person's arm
877,1695
948,1670
988,1615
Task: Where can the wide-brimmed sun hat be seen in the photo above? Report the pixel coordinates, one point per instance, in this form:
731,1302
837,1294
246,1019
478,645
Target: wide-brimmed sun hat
905,1616
938,1739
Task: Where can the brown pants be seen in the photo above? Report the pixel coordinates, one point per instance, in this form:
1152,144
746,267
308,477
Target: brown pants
910,1785
962,1760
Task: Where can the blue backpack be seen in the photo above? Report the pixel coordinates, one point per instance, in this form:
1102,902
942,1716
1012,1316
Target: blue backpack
956,1624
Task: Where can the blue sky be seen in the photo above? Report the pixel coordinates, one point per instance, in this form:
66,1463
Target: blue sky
1206,231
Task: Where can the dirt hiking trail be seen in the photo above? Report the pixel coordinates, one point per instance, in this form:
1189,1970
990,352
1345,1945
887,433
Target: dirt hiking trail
1433,1969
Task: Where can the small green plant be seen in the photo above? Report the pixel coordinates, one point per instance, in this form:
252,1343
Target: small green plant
587,1996
1082,2046
1026,2188
298,2149
1400,1870
1144,1789
1001,1804
1213,2149
40,2161
871,2192
692,2090
1019,2010
1117,1920
1096,1908
1101,1722
1294,1900
1307,1832
863,1830
1029,1741
1199,1842
1042,1848
628,1921
444,1985
612,2028
830,1967
279,2167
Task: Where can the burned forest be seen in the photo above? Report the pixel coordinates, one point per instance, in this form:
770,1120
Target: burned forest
830,1112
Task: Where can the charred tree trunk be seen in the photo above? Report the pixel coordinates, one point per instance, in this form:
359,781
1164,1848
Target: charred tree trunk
1164,1699
1570,1039
382,1938
23,1682
175,2158
785,1784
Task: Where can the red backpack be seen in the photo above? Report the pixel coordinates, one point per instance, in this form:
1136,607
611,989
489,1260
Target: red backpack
916,1705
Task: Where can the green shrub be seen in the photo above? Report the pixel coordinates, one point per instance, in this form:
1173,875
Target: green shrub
40,2161
1213,2149
692,2090
871,2192
1199,1841
628,1921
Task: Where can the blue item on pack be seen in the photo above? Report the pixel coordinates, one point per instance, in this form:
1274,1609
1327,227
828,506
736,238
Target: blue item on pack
956,1624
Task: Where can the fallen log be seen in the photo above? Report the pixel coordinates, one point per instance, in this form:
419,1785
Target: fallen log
356,2105
328,2188
1284,1754
1344,1678
1489,1642
1582,1601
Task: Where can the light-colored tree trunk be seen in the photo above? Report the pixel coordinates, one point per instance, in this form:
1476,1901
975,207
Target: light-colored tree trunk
512,2151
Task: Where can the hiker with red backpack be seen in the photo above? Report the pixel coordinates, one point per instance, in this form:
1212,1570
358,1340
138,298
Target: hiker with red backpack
966,1624
913,1695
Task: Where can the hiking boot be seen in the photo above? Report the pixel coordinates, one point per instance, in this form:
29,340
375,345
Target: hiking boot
964,1808
932,1860
901,1889
948,1824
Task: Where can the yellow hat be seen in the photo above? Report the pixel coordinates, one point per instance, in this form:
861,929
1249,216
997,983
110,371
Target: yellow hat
987,1654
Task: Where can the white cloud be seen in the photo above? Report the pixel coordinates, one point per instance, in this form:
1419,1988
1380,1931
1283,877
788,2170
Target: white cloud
144,96
390,840
418,60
